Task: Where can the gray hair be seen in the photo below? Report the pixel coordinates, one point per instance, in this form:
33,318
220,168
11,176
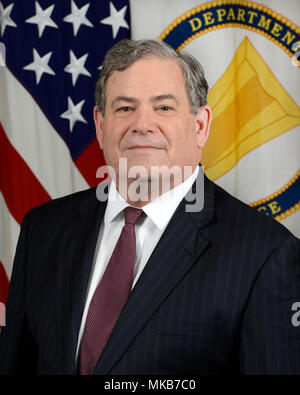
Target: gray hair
126,52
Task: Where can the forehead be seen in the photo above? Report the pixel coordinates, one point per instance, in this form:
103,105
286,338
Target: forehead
147,76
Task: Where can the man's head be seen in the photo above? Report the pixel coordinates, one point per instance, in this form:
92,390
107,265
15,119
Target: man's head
122,55
151,106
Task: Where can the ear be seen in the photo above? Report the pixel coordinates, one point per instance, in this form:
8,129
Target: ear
98,120
203,120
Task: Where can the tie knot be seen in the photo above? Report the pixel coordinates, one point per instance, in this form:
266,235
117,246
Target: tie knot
132,214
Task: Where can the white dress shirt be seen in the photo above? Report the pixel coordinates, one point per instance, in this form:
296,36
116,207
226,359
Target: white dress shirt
148,231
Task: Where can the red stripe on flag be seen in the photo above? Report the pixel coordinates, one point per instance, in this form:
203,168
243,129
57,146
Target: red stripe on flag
21,189
4,283
89,161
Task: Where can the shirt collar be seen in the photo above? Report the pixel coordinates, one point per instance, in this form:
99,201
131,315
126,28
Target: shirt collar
159,210
115,204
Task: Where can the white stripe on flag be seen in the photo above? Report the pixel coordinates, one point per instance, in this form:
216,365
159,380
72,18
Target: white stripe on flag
35,140
9,230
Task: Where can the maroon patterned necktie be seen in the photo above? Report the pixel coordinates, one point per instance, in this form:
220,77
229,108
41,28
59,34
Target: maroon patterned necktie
110,295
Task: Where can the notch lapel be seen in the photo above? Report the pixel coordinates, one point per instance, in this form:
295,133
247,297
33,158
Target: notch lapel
77,251
178,250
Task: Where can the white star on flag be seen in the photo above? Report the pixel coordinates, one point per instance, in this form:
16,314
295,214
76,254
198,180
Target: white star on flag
76,67
116,19
77,17
40,65
42,18
5,19
73,113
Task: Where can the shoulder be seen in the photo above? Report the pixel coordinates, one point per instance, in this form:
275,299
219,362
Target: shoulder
63,208
247,240
246,224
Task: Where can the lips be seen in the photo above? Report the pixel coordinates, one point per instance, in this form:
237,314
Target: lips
144,147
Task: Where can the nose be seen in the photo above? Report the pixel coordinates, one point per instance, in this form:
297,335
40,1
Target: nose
143,122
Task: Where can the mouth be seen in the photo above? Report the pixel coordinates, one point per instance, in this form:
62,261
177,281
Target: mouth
144,148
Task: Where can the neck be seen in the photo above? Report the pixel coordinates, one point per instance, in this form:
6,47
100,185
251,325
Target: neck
140,191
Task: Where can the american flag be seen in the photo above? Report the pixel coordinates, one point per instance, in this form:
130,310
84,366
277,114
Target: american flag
54,50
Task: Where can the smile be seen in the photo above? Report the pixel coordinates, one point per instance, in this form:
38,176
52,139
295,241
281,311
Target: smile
144,148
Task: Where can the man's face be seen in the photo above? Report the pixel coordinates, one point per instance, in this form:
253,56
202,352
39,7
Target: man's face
148,118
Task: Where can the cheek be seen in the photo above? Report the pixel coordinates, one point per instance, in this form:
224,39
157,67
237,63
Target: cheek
183,135
110,135
185,146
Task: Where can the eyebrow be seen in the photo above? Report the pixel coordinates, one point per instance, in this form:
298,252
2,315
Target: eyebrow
133,100
167,96
126,99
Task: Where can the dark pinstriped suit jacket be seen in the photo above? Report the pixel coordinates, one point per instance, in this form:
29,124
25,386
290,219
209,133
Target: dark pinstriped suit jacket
215,297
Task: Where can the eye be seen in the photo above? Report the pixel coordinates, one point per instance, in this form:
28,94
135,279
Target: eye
124,109
165,108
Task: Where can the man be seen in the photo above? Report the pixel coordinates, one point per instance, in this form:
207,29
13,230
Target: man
212,288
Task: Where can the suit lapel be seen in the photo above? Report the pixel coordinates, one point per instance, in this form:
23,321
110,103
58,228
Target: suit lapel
77,251
178,250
